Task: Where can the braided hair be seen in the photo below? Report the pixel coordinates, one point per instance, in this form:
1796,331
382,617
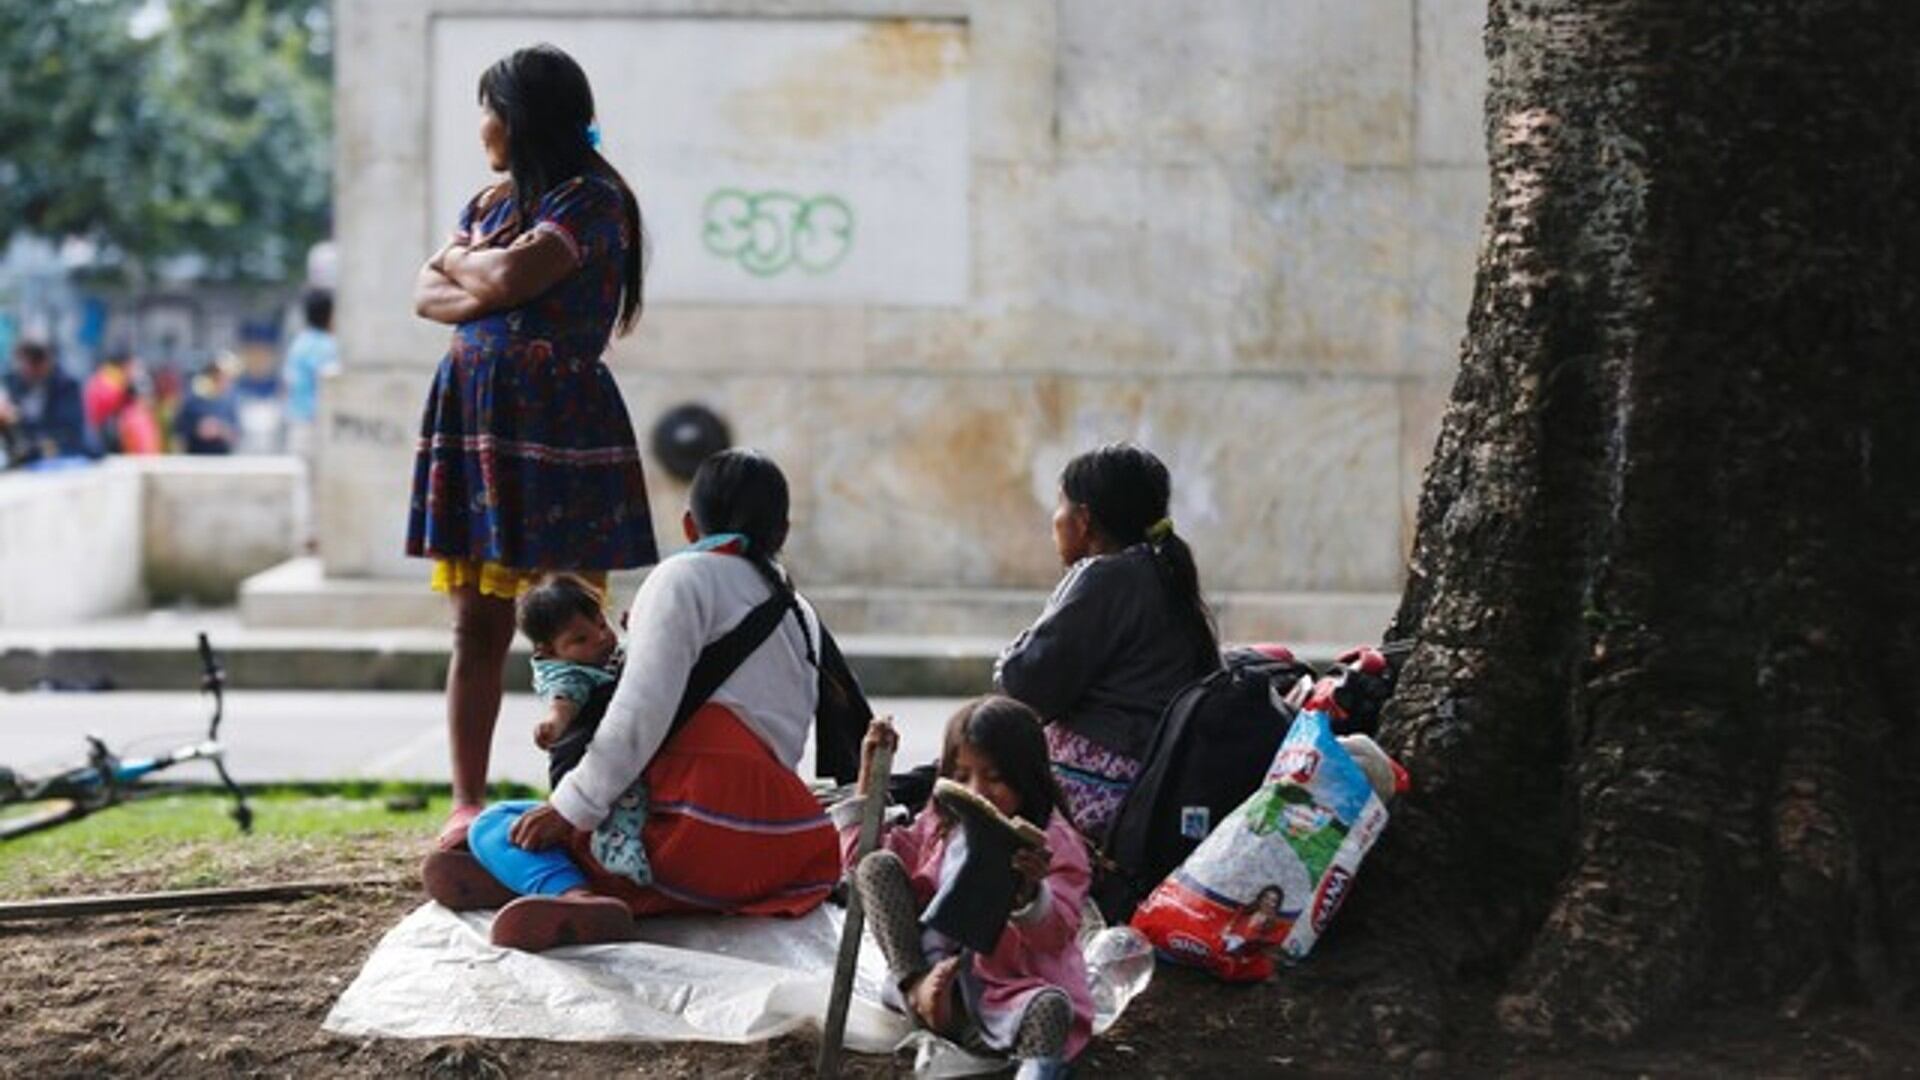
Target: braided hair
743,491
1126,491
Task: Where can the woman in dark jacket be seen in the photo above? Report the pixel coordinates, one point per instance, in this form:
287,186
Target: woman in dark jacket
1125,629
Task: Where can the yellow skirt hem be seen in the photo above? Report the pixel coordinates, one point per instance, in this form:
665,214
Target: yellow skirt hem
494,579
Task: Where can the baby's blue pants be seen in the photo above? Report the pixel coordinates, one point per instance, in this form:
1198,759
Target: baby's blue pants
529,873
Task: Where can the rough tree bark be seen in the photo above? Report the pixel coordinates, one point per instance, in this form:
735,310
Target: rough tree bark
1666,583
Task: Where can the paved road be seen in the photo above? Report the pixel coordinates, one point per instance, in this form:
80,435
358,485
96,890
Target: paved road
275,736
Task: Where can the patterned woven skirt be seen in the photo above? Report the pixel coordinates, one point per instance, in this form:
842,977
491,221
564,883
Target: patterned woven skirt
1094,779
527,464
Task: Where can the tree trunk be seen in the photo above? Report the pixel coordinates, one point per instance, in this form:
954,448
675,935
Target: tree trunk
1661,716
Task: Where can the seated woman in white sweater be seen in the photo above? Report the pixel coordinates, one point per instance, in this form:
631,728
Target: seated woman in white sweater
713,807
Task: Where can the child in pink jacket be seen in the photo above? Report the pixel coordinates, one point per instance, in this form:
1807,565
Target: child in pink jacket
1029,996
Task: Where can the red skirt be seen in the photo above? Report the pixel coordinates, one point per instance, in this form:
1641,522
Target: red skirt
729,829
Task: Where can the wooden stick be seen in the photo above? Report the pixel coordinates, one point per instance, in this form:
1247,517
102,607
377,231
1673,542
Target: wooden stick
67,907
848,962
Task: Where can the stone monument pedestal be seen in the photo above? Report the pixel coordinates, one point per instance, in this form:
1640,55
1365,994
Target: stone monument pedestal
983,237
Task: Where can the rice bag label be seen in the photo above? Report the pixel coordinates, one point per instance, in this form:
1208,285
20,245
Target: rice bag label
1271,877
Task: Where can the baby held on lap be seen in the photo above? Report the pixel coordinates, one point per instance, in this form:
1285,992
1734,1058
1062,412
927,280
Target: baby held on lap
575,651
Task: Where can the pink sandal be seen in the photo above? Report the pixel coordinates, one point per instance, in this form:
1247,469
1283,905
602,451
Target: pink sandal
539,923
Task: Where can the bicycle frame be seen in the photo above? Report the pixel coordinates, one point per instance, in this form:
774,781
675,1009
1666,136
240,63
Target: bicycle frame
107,779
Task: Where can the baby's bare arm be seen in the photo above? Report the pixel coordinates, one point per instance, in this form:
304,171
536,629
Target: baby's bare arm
560,714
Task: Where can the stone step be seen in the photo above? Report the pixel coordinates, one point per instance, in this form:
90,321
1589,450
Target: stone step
158,652
298,594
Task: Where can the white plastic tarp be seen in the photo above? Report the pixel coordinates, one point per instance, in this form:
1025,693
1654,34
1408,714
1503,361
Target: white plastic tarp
694,979
708,979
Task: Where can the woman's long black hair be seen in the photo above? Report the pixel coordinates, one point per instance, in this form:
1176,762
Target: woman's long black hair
1126,491
542,96
743,491
1007,733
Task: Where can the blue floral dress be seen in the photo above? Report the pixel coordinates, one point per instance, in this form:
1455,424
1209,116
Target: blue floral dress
526,458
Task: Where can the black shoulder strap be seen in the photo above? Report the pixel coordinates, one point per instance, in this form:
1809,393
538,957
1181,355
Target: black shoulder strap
720,660
717,663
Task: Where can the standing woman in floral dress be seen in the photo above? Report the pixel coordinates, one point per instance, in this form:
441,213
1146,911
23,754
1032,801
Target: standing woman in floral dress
526,460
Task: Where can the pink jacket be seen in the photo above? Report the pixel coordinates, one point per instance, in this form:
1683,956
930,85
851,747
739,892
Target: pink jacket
1040,946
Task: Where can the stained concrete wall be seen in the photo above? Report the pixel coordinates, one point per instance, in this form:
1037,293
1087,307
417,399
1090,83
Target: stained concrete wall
783,161
210,523
105,539
69,545
1241,231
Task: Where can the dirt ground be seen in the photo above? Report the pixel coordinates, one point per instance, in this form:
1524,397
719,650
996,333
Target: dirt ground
241,992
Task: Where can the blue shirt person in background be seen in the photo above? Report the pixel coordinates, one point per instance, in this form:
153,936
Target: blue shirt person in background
311,355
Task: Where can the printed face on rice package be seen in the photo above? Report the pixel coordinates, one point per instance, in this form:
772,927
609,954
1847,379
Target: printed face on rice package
1271,876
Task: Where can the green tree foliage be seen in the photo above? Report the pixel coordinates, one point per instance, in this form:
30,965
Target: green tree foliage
169,127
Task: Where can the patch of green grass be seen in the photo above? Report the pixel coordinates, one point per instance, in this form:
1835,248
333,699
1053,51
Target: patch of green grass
197,815
189,840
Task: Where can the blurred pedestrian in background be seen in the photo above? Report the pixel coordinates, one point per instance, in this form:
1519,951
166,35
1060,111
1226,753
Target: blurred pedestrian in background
209,418
259,393
41,413
310,356
118,415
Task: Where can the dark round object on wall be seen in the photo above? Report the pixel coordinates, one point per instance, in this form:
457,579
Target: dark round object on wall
687,435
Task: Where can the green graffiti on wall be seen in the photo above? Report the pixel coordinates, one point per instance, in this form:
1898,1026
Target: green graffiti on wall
770,232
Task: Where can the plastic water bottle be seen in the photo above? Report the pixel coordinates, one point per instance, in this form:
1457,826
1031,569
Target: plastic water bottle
1119,968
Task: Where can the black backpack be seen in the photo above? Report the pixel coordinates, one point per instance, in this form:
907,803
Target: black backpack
1210,751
